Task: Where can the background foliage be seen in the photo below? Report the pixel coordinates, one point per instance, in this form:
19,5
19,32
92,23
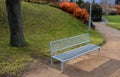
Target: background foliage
96,11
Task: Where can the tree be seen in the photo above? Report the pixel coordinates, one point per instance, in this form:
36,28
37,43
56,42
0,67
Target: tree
15,23
117,1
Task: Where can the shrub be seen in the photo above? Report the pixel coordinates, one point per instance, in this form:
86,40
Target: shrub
96,11
79,2
68,6
118,9
117,1
75,10
81,14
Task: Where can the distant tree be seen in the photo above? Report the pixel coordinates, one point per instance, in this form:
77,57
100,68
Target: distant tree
28,0
117,1
15,23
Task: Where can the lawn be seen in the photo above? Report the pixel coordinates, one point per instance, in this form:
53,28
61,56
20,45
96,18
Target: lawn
41,24
114,21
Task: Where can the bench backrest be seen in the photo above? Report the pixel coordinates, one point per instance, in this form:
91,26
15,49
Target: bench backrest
69,42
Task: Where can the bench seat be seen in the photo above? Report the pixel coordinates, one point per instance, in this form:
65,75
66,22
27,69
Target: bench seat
66,56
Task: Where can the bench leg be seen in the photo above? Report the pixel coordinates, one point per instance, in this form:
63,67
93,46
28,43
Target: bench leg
51,61
98,51
62,66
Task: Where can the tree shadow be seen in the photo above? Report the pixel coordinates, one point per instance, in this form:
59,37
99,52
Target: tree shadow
105,70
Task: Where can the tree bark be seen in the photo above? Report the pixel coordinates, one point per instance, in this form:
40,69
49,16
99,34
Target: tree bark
15,23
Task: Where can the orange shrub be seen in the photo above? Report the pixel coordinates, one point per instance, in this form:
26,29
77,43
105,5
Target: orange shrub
75,10
86,17
81,14
118,9
72,7
84,12
64,5
68,6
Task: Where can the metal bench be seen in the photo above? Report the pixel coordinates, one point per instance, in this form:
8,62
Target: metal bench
62,44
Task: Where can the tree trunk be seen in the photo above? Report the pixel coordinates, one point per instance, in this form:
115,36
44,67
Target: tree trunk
15,23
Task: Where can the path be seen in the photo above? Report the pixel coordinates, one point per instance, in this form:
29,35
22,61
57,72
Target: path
91,65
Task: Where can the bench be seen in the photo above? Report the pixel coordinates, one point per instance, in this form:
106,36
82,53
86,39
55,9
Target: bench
62,44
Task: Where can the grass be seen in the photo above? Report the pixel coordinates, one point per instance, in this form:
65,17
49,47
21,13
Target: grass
41,24
114,21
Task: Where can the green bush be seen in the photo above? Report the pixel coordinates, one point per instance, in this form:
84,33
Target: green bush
79,2
96,11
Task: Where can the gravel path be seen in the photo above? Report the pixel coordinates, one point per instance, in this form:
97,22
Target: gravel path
107,64
112,47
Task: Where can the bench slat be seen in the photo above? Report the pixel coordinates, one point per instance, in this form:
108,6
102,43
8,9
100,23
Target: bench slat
75,52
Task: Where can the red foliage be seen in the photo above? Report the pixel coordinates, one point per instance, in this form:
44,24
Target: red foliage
75,10
118,9
68,6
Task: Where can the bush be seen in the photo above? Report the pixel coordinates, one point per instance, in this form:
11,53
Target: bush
118,9
96,11
68,6
79,2
117,1
75,10
81,14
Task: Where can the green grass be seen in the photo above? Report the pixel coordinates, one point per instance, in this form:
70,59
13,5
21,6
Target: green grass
114,21
41,24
